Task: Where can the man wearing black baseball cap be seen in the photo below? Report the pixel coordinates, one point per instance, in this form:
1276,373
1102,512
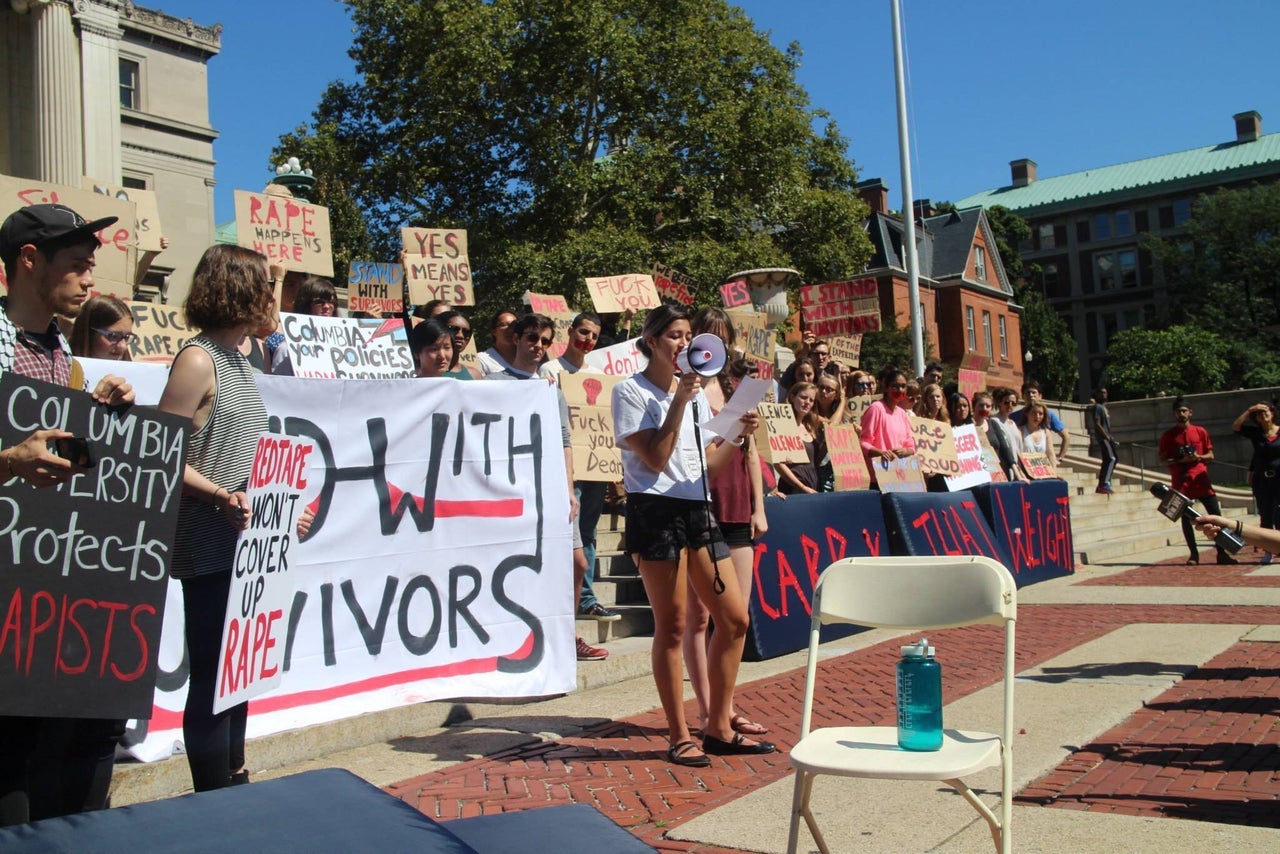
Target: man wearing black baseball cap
48,256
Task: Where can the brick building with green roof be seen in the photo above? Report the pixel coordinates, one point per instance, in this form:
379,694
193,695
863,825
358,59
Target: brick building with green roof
1087,226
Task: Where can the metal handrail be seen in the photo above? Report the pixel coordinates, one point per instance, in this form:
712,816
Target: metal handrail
1141,448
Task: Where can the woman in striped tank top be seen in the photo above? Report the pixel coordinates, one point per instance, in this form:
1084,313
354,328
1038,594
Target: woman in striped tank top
212,384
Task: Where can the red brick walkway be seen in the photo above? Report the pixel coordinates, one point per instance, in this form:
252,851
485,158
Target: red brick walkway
620,767
1175,573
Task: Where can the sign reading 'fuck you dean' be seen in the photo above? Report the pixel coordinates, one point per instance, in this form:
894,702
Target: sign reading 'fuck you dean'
86,563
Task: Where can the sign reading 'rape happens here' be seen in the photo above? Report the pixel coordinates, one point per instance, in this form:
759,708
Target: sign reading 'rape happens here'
289,231
82,592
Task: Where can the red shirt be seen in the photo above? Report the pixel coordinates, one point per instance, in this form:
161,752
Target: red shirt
1191,479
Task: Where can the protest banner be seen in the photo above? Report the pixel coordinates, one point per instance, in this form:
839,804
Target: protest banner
289,231
146,210
935,447
778,437
437,266
854,407
972,361
589,396
845,350
346,347
847,460
375,287
252,650
1037,466
557,308
970,470
751,329
841,308
970,382
117,258
469,359
898,475
673,285
438,564
160,331
632,292
1032,522
735,293
87,562
940,523
618,360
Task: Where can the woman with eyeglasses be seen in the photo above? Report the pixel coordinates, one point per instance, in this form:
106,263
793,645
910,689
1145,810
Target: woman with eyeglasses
886,425
830,401
103,329
666,463
459,329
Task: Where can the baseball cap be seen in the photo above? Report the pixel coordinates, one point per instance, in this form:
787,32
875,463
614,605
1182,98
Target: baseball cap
39,224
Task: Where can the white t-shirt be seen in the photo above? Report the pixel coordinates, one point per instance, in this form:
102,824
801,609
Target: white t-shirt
640,405
491,362
1011,431
551,368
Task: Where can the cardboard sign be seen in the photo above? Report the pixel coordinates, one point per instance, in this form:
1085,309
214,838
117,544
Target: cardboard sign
591,425
86,567
674,285
972,361
898,475
736,293
854,407
847,459
757,343
845,351
970,470
990,457
253,635
935,447
778,437
161,331
146,210
375,287
438,267
289,231
345,348
469,359
632,292
117,258
618,360
1037,466
971,382
841,308
557,308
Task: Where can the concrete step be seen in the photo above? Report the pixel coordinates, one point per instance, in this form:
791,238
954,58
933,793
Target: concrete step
637,620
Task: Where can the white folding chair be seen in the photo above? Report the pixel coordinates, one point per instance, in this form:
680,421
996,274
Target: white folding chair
908,593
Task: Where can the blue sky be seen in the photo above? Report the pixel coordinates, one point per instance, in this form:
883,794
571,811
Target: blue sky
1070,85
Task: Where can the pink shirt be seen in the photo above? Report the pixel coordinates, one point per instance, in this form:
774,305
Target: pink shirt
885,430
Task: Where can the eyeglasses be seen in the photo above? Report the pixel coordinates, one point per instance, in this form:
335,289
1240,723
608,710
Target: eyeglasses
826,389
115,337
503,324
866,385
534,338
464,331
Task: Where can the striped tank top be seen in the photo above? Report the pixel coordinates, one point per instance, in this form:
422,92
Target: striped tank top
221,450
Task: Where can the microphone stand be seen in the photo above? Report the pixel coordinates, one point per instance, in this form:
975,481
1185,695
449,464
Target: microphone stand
717,583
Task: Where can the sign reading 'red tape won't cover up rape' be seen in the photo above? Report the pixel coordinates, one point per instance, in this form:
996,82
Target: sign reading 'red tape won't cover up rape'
86,563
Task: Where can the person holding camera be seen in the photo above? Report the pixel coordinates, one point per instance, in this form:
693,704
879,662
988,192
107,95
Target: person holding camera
1185,448
1258,425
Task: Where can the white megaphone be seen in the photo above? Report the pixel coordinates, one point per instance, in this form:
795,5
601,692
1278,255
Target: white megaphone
705,355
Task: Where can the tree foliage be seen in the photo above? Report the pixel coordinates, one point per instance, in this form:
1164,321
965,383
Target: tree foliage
1178,360
588,138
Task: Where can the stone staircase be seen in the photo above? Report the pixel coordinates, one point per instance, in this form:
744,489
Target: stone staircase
618,586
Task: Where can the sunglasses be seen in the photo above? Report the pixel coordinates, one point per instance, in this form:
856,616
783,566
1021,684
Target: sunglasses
866,385
534,338
464,331
115,337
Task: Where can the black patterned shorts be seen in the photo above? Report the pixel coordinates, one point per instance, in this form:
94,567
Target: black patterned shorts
660,528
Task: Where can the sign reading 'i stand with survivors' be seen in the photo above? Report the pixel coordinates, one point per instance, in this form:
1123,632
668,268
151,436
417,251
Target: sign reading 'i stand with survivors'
87,562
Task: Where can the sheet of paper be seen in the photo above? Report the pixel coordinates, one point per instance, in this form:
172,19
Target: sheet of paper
728,423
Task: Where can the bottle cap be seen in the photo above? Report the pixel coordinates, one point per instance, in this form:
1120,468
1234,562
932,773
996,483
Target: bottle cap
919,649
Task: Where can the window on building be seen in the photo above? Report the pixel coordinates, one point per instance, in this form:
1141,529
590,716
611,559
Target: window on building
1082,231
1110,326
972,333
1104,271
1050,278
980,263
130,82
1117,269
1047,238
133,183
1101,226
1127,264
986,332
1004,338
1181,211
1124,223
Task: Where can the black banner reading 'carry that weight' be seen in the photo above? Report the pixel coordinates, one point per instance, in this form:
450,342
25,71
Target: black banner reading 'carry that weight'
84,565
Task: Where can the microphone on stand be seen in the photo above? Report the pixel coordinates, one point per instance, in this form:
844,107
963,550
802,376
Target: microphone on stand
1175,506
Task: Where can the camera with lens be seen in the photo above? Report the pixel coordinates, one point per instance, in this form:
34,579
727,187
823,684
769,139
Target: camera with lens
1185,451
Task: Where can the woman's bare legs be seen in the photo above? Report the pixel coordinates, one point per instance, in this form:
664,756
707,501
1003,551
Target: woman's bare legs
697,619
724,654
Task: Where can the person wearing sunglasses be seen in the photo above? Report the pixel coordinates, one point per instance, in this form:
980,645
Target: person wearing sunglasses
459,329
103,329
886,425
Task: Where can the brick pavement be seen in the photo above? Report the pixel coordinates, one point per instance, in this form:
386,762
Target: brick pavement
620,766
1176,573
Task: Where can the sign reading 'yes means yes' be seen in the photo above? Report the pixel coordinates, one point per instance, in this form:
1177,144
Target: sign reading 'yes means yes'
437,266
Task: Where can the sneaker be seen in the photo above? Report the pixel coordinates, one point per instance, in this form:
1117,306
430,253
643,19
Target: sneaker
600,613
1105,490
591,653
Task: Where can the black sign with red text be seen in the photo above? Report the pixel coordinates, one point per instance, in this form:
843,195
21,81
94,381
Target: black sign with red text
940,523
807,533
1032,521
86,563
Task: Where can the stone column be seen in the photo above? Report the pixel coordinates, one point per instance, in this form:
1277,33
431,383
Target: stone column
59,139
100,34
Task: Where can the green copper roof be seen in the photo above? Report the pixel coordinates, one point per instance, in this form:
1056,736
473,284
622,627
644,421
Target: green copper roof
225,233
1225,162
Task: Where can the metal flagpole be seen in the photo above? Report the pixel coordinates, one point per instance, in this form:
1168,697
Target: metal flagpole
908,203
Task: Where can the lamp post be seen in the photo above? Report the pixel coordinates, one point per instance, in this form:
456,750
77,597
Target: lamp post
299,181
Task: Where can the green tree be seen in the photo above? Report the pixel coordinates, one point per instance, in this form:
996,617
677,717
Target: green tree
1223,274
589,138
1177,360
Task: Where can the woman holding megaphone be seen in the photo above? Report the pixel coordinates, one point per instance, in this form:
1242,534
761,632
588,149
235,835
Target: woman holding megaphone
666,462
